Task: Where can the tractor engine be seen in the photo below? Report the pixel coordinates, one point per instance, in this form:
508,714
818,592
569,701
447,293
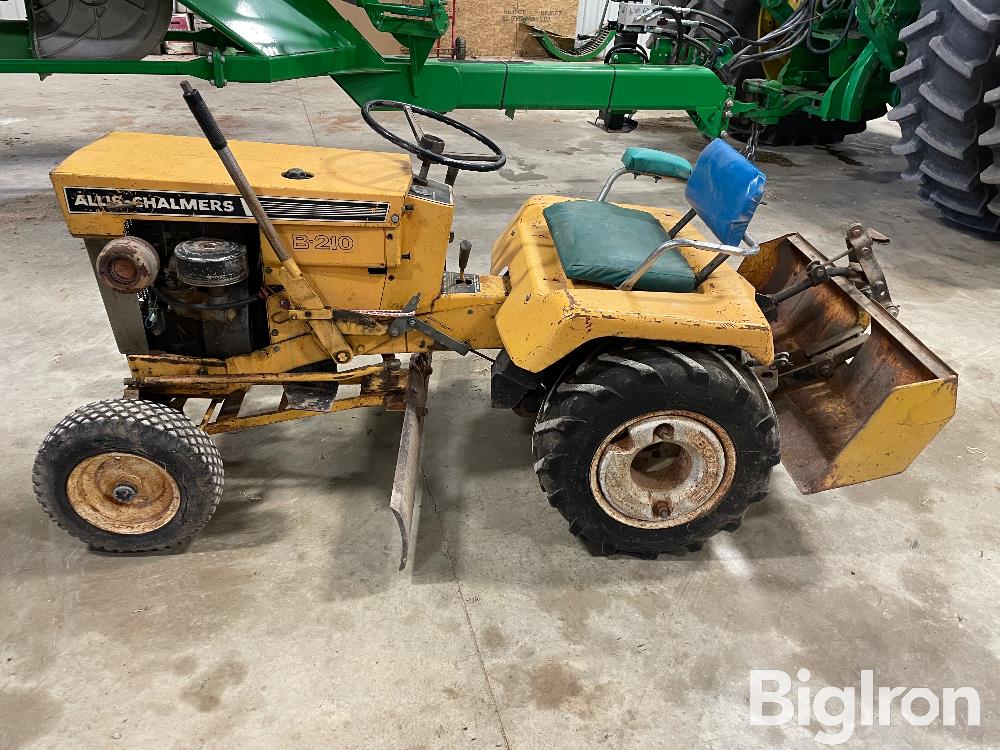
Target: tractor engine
185,288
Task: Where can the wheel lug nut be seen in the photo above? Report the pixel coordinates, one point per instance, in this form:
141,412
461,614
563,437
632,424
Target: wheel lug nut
664,432
124,493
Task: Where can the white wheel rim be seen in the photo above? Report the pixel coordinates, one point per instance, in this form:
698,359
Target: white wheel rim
663,469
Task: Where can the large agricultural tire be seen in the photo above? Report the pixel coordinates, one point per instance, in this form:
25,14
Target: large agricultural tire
128,476
99,29
801,129
797,129
650,449
740,13
991,140
947,110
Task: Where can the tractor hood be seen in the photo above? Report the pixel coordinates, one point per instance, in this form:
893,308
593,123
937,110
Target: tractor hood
132,175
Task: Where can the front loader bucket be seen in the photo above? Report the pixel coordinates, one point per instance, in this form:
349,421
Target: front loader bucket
845,422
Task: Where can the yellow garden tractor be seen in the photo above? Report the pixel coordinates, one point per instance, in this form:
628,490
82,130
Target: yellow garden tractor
657,374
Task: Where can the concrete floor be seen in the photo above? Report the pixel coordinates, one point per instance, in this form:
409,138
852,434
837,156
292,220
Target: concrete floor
286,624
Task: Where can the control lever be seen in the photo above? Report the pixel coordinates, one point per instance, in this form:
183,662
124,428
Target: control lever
464,251
299,292
209,126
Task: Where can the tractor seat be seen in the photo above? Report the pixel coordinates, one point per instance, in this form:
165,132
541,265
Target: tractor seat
602,243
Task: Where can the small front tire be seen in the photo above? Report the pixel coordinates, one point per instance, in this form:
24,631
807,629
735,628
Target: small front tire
128,476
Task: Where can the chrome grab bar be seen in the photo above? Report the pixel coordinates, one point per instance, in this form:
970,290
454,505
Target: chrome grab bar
611,181
752,248
623,170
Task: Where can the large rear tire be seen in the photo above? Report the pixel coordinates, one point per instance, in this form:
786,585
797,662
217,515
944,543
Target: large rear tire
948,92
651,449
99,29
801,129
740,13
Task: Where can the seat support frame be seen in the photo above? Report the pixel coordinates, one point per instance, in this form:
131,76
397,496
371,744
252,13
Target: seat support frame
722,252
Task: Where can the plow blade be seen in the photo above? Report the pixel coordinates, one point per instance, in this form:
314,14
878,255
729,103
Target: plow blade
404,483
859,396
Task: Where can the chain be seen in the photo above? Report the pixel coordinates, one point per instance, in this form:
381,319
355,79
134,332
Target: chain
750,150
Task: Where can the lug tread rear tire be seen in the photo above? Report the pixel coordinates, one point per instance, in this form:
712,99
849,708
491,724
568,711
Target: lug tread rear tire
152,430
571,421
991,140
800,129
945,111
740,13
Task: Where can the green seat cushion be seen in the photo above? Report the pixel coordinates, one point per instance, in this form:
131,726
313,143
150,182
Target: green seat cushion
604,243
659,163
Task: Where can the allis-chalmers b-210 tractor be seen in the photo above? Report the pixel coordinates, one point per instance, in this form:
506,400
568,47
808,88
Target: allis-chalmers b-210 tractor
657,374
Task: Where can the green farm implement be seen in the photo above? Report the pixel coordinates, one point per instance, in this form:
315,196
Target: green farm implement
777,72
814,71
261,41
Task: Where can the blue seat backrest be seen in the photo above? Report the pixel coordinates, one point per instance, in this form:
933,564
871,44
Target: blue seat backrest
725,190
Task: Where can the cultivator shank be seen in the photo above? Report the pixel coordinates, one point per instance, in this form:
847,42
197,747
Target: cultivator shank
407,478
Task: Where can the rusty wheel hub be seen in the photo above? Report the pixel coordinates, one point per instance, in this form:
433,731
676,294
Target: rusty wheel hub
123,493
663,469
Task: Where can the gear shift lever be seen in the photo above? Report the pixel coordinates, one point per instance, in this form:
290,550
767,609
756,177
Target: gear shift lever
464,251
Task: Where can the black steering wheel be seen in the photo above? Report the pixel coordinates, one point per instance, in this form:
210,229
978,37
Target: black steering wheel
430,148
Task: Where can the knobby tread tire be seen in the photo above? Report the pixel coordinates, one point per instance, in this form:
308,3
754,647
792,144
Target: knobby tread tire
991,140
151,430
801,129
949,88
742,14
607,390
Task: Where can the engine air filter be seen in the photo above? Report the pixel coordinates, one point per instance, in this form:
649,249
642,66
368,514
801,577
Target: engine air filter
210,262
